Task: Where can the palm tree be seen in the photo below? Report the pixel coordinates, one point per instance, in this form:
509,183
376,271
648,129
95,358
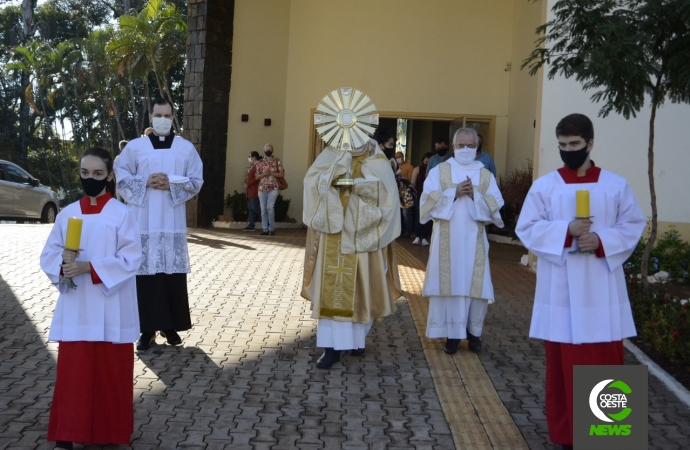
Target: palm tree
42,63
150,42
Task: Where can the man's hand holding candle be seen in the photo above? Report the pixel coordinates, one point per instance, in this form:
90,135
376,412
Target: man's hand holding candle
588,242
579,227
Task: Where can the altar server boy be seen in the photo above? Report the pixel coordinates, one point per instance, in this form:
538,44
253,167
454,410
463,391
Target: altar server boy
96,321
581,306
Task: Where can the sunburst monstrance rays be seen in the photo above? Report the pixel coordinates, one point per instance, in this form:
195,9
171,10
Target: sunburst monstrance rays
346,118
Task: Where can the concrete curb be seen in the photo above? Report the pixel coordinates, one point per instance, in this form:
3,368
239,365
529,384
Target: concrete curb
504,239
671,383
240,225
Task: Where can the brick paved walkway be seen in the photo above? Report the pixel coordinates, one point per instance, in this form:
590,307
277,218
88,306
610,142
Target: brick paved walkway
245,376
515,363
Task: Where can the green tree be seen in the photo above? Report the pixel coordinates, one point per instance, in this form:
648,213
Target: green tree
43,64
631,52
150,42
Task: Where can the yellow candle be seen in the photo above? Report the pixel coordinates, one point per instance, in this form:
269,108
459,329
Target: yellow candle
73,233
582,203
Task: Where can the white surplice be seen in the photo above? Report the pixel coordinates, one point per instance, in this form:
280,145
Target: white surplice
581,298
161,214
458,265
97,312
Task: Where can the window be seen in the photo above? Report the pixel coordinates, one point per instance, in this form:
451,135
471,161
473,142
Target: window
17,175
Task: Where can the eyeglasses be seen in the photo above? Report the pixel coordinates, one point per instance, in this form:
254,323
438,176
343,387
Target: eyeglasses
457,146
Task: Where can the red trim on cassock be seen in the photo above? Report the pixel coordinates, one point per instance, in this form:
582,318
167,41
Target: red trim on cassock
88,208
568,239
560,359
95,279
600,251
570,176
92,401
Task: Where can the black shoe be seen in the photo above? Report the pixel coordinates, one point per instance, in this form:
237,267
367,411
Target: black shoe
328,358
172,337
264,233
63,445
272,233
451,346
474,343
564,447
146,340
248,229
357,352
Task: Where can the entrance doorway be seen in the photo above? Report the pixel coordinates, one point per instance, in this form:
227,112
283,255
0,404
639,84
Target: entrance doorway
421,132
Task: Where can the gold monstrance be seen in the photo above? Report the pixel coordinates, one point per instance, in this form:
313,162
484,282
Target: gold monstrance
345,119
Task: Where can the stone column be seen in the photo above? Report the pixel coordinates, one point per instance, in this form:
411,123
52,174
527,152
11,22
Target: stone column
206,100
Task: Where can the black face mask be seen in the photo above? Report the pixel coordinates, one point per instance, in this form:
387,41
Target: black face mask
389,152
268,154
92,187
575,159
442,151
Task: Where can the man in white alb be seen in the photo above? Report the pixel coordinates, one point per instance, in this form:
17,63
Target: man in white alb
461,197
156,174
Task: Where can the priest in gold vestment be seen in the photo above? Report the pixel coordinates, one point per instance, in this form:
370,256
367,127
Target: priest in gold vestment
350,270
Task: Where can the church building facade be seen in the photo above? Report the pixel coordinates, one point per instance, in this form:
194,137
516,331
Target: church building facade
260,67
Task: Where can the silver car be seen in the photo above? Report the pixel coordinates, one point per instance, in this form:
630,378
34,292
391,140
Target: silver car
23,197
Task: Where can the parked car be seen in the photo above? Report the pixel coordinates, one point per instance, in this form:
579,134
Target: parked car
23,197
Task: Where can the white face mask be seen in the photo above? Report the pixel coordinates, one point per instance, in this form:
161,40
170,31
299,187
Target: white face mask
249,159
161,125
400,161
465,155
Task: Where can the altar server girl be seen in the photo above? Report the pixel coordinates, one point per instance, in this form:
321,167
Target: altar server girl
96,317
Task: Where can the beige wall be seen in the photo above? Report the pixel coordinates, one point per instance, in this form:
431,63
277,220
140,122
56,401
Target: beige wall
620,145
522,108
409,56
259,60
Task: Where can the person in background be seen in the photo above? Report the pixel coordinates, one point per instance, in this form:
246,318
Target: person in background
387,146
484,157
442,154
422,231
96,321
251,186
406,170
156,175
267,170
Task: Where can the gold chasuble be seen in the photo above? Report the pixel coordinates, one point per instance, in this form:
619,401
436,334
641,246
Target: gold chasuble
350,271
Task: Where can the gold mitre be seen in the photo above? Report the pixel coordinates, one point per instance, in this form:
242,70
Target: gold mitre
346,118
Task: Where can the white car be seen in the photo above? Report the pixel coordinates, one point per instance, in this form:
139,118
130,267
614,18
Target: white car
23,197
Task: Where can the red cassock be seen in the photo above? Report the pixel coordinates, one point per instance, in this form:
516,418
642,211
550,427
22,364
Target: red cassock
93,397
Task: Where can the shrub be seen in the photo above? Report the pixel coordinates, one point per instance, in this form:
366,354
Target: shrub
662,322
670,254
238,203
514,187
281,208
660,318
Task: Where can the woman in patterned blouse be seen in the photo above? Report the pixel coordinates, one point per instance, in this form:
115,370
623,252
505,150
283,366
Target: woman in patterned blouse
267,170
